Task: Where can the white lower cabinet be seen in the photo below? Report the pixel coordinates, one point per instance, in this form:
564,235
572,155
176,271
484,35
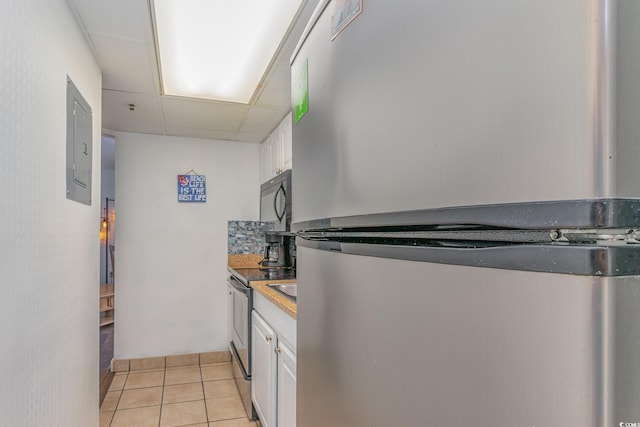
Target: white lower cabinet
263,377
273,379
286,386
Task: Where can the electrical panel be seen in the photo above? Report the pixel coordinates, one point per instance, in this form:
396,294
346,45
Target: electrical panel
79,146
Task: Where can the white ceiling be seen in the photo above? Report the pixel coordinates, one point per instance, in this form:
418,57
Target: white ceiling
121,35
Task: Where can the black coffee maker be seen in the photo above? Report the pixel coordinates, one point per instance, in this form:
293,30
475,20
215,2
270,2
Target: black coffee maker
276,252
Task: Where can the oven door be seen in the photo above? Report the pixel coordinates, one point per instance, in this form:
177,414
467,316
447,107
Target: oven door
240,306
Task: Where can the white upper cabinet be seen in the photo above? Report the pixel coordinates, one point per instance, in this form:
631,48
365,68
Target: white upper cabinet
276,151
265,164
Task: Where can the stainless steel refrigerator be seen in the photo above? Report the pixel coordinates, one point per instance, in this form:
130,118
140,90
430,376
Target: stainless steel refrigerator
467,201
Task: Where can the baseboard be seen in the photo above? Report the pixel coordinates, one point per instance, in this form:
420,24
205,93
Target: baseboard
162,362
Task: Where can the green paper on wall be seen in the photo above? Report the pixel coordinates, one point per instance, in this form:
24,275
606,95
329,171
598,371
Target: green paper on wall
301,91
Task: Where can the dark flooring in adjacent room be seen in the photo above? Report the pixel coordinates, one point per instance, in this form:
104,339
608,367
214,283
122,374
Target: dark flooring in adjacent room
106,354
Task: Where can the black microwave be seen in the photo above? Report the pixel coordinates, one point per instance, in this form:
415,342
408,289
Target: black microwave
275,201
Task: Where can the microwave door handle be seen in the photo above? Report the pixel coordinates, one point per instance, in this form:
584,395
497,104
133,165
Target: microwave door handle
279,215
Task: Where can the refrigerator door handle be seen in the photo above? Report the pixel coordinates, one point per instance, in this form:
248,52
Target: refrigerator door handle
597,235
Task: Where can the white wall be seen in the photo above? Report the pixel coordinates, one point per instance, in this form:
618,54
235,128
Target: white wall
171,258
48,245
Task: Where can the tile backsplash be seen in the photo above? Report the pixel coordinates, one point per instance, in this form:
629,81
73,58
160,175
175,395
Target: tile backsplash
247,237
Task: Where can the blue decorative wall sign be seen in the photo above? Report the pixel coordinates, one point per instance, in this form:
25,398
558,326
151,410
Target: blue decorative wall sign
192,188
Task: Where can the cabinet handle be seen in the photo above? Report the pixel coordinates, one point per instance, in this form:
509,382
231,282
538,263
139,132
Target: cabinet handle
268,337
277,350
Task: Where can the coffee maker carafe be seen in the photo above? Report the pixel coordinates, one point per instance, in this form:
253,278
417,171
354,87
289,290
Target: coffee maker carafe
275,252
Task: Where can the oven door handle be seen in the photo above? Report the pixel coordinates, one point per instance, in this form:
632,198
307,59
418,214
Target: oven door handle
239,286
235,354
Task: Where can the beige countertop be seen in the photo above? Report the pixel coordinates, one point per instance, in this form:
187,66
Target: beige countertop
244,260
285,304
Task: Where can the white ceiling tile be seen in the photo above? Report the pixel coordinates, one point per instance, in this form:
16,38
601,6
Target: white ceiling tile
277,93
252,137
146,118
126,19
201,133
203,114
126,65
277,90
263,120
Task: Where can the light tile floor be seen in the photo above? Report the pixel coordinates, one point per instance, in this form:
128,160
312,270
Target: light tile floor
194,396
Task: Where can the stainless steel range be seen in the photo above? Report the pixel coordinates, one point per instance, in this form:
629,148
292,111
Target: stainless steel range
240,307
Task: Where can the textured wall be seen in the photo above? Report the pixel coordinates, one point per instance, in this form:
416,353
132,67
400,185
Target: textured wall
49,246
171,257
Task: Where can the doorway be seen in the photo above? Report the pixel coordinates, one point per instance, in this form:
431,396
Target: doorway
107,262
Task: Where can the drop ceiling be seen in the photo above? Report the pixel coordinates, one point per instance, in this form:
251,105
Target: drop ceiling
121,35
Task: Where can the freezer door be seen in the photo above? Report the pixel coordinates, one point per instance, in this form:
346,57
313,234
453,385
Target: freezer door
385,342
429,103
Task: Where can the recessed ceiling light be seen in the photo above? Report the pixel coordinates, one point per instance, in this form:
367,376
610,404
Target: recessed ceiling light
219,49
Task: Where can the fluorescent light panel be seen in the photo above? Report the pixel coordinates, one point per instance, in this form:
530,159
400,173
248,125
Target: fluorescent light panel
219,49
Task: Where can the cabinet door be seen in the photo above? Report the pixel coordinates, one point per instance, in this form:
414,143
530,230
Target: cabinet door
263,376
276,151
287,143
265,162
286,386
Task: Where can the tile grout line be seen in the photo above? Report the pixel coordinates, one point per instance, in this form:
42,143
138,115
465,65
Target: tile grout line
119,397
204,396
164,380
